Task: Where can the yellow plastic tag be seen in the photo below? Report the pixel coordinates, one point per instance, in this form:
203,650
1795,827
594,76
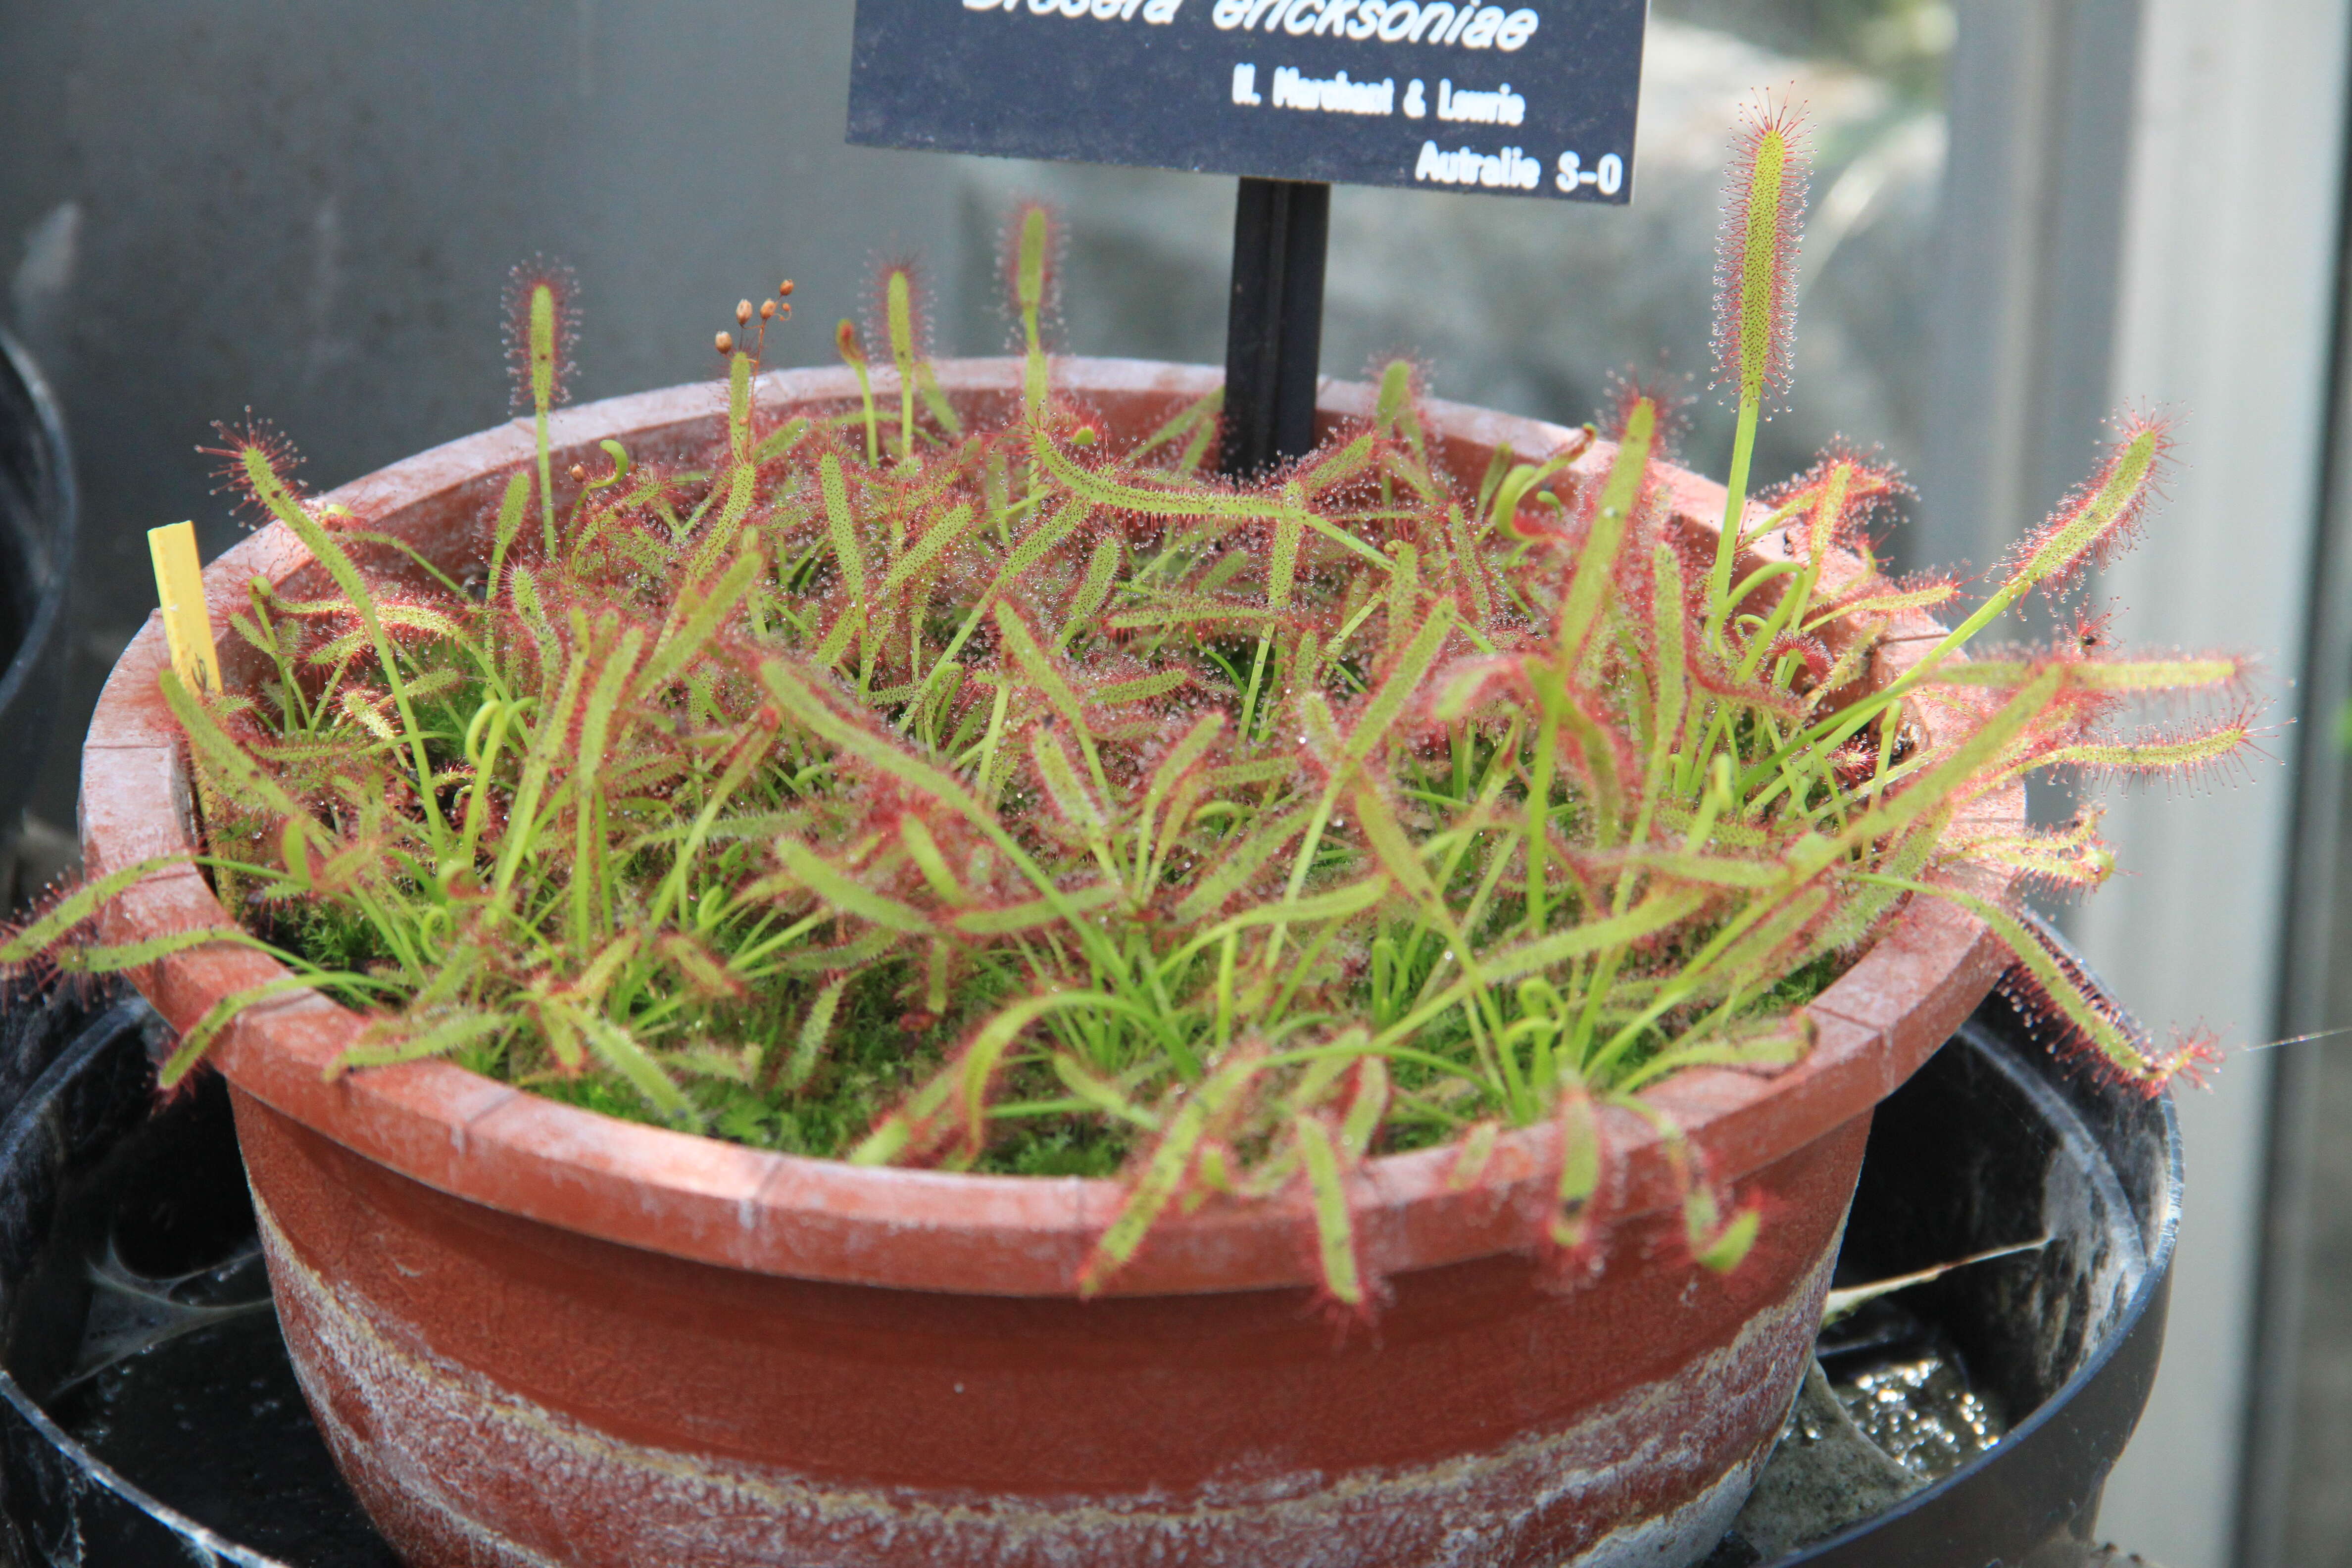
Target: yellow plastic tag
179,586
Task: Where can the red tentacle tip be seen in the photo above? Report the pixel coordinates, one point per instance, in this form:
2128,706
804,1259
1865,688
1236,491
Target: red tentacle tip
232,471
1671,400
2194,1053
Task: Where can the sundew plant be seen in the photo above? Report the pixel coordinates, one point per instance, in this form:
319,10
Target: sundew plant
1028,799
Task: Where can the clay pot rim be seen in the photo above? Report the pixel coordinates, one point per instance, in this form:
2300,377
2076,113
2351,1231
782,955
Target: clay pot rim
701,1198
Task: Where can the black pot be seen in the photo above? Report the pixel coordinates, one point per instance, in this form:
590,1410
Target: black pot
148,1414
38,514
1994,1143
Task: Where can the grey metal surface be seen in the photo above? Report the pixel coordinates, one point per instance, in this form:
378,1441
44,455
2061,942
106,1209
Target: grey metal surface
310,209
2225,315
2027,266
2296,1511
39,513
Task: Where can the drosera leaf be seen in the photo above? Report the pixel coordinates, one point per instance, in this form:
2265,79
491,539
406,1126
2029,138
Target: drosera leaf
1721,1248
1524,478
1378,721
1966,764
935,400
1335,1228
1658,909
724,532
230,764
591,897
698,966
1386,837
1596,564
849,554
898,310
924,850
2061,859
621,1051
2092,1023
438,1037
1032,264
1148,1197
1755,325
926,548
1339,903
1037,666
546,746
808,1046
262,481
1164,1173
1101,567
1195,416
1581,1157
1335,467
509,528
1143,688
1366,1108
853,354
83,903
116,958
698,618
1871,605
1073,801
1472,1155
220,1015
914,1128
1770,1043
780,440
844,892
1041,541
1282,572
977,1068
1100,1093
2097,519
1394,410
2142,758
2131,675
1240,863
1716,1244
1030,914
562,1032
1497,466
1181,758
738,406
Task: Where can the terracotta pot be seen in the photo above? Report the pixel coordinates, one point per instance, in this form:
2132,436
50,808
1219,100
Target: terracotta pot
536,1335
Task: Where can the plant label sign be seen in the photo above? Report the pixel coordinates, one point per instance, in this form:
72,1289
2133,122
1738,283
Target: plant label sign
1531,100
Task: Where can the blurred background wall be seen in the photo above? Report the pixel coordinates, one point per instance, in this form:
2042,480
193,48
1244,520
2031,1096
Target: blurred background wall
2025,213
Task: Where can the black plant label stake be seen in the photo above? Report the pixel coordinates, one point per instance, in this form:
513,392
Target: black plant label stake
1533,101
